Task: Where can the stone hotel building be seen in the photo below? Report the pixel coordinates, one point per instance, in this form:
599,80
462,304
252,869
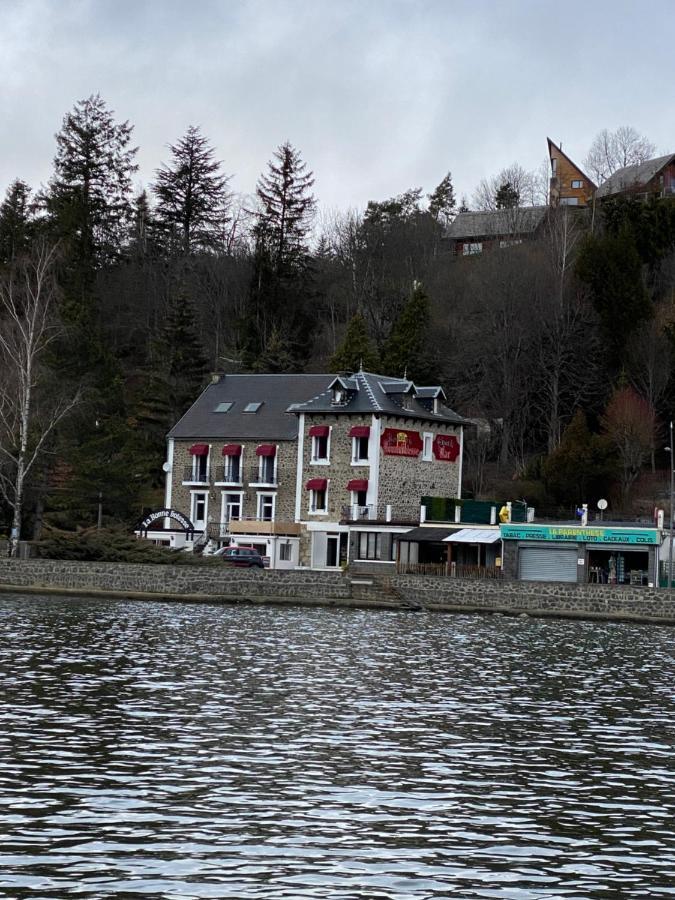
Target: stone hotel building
313,470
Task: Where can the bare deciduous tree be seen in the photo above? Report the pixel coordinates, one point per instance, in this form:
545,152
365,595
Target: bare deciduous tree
612,150
521,181
28,326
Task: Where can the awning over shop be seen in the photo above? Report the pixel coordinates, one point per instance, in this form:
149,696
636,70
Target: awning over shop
425,535
199,449
473,536
319,431
316,484
266,450
357,484
359,431
232,450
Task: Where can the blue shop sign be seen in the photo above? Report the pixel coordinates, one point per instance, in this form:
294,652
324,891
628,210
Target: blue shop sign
580,534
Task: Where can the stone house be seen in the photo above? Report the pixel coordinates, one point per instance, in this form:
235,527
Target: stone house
232,464
369,448
312,470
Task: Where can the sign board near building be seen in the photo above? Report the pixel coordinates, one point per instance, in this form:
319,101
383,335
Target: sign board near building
580,534
446,447
396,442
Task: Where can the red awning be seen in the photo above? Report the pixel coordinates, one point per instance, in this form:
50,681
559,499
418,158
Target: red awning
358,484
359,431
232,450
319,431
266,450
316,484
199,449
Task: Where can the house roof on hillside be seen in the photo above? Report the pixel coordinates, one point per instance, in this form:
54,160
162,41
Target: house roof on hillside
249,407
497,223
570,161
368,393
635,176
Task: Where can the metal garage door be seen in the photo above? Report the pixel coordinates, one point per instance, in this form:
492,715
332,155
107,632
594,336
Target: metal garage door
547,564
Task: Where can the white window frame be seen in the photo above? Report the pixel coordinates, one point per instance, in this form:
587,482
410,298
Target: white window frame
261,463
195,467
320,461
364,460
311,504
224,506
472,248
428,446
227,480
259,505
285,547
193,507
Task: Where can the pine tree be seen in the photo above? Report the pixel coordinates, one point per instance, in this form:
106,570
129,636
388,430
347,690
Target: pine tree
356,350
287,207
279,322
185,363
89,195
442,201
192,195
16,222
507,196
407,349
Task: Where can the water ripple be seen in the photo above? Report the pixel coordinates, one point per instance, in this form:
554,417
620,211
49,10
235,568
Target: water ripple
189,751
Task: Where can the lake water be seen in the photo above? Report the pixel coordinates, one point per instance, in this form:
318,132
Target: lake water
165,750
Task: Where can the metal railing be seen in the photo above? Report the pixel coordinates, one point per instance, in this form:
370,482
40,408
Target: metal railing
228,475
196,477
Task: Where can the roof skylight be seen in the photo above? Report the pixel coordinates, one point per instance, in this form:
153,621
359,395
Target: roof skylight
252,407
224,407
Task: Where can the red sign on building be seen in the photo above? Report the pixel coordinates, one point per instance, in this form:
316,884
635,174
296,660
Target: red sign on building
395,442
446,447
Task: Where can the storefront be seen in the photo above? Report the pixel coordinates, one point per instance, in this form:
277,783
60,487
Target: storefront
574,553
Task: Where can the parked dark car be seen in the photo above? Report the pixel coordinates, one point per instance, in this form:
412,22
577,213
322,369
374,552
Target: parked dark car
242,556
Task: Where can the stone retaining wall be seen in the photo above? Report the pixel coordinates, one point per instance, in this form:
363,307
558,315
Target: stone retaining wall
179,581
537,598
308,587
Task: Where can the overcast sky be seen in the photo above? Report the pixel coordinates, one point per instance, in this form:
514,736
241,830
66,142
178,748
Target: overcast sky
378,95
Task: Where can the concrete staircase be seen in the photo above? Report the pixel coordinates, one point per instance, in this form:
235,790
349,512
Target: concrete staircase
379,590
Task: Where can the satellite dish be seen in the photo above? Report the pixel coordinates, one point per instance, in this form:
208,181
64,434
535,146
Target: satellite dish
166,467
602,504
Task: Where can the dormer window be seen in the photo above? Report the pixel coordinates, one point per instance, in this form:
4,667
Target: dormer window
338,395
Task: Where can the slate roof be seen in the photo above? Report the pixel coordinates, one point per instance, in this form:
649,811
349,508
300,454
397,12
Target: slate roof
632,177
271,422
373,393
497,223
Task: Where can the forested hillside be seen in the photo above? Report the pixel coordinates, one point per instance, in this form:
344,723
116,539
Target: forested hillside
115,305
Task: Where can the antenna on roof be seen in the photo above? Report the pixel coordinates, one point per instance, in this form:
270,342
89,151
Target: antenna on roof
361,365
405,374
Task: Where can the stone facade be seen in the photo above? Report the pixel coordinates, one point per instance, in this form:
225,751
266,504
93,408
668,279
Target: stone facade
404,480
181,492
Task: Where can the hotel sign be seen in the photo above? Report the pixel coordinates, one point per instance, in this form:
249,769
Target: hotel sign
581,534
396,442
446,447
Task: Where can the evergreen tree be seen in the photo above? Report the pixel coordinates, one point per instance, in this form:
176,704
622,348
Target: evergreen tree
407,350
89,195
356,350
192,195
442,201
278,323
507,196
287,208
183,354
16,222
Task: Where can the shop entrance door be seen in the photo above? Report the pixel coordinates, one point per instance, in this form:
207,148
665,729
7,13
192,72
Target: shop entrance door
332,550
